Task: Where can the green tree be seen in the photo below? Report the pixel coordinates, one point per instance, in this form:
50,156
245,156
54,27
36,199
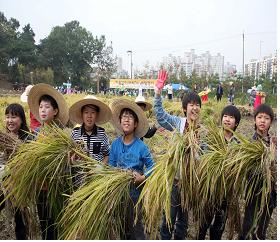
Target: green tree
8,40
105,63
70,51
26,48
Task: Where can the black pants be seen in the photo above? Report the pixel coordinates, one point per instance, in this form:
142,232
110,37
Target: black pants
20,229
133,231
217,228
219,97
250,211
47,222
2,203
179,218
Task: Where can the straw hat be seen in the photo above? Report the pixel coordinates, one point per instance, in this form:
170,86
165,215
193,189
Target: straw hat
75,111
41,89
141,99
118,105
24,95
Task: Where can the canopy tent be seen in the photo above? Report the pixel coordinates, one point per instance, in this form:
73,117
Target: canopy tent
177,86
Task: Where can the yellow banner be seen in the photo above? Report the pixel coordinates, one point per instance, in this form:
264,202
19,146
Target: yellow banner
132,83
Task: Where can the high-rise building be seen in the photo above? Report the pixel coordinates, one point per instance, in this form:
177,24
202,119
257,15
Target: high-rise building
266,67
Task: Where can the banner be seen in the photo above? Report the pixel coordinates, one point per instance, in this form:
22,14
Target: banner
133,83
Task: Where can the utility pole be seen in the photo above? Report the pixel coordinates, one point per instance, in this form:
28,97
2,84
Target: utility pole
130,52
243,61
261,50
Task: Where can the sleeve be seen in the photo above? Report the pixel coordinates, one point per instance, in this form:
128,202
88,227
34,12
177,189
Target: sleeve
72,134
148,161
112,158
151,132
105,146
164,119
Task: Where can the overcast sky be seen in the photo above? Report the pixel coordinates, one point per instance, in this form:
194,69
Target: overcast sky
154,28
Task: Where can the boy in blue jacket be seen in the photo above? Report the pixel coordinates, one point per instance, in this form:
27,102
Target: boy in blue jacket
129,152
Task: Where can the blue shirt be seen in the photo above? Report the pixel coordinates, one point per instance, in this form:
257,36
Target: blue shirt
135,156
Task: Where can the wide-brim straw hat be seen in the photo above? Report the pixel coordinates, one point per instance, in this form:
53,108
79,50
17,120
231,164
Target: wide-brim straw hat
41,89
118,105
75,111
141,99
24,95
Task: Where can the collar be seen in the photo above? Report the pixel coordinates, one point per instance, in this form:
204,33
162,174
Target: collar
83,130
266,139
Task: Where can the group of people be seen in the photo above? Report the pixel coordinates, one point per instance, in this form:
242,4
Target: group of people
128,151
220,92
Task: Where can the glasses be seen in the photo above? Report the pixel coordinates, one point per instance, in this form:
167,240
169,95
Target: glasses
127,117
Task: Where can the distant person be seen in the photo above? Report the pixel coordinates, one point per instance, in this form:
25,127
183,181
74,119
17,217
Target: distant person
169,91
260,97
219,92
195,89
231,93
253,94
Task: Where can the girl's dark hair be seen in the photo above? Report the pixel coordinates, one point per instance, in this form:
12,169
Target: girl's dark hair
48,98
128,110
232,111
264,108
17,110
96,108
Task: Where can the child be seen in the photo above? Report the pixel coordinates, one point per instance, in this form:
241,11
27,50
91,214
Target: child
49,107
263,119
16,125
129,152
89,112
230,118
191,104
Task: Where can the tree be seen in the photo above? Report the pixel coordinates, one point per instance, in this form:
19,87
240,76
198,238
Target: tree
26,48
105,63
69,50
8,40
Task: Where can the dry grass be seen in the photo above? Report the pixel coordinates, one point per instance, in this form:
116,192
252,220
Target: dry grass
158,145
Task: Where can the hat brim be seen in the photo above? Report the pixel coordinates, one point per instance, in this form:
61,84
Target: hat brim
148,105
41,89
118,105
75,111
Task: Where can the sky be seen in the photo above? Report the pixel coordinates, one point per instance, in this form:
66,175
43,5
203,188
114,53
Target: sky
153,29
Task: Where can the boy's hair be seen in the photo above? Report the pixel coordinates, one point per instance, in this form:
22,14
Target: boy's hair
50,99
17,110
264,108
232,111
128,110
190,97
96,108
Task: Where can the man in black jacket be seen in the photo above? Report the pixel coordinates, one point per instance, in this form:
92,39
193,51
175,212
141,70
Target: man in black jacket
219,92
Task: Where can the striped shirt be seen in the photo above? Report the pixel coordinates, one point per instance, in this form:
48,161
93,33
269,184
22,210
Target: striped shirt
96,144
